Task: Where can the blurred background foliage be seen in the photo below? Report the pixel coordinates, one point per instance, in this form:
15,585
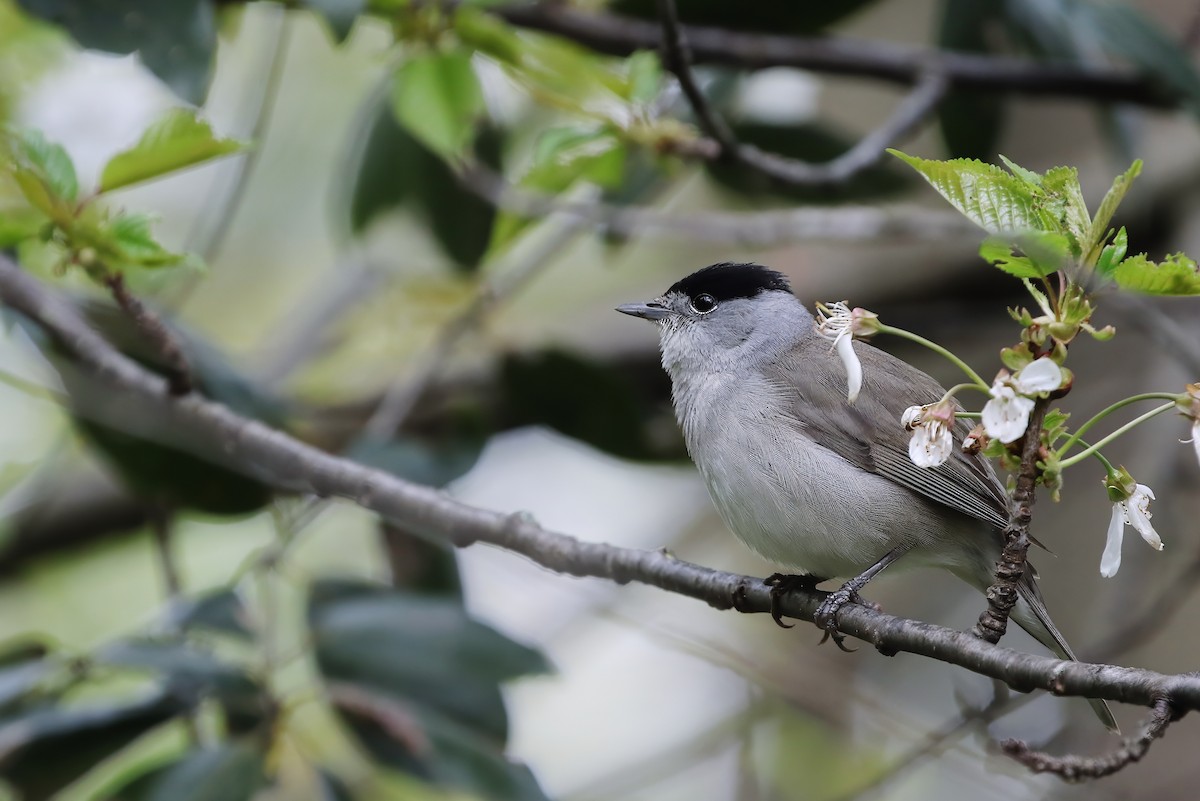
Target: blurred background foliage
320,238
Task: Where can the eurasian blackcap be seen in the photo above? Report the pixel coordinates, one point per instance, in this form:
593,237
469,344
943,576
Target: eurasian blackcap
812,482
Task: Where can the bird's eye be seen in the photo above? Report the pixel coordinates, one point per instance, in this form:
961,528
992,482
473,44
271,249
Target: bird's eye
703,304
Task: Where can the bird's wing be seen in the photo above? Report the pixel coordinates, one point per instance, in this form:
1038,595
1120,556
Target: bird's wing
868,432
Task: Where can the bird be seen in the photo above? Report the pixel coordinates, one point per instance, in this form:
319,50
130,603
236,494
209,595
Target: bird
816,484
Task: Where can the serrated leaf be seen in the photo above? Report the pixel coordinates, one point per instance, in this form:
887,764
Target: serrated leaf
1027,254
1104,214
1175,275
437,97
991,198
225,772
176,141
1062,199
1028,176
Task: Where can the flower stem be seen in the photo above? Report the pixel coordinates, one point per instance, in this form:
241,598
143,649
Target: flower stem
1083,429
957,388
936,348
1092,449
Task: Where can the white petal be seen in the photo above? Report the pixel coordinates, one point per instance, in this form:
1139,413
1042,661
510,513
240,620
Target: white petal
911,417
854,374
1110,560
1196,438
1006,415
931,445
1137,512
1043,375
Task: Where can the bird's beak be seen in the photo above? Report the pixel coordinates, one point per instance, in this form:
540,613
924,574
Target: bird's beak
651,310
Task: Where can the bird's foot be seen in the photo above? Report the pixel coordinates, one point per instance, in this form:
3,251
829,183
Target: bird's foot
783,583
826,614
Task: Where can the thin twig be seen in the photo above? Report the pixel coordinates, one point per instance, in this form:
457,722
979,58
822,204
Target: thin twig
760,229
290,465
1002,596
179,375
930,88
1074,767
616,35
678,59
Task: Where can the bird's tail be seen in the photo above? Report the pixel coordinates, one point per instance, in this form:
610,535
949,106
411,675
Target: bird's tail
1031,615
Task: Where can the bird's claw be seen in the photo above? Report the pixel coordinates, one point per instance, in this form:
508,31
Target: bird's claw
783,583
826,615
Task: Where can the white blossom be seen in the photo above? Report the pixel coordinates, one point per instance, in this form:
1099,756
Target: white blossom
932,441
1042,375
1134,511
836,321
1006,415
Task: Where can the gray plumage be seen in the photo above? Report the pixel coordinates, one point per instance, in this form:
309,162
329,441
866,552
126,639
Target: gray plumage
807,480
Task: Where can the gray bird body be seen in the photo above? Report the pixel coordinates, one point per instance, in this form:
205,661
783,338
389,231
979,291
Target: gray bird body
814,483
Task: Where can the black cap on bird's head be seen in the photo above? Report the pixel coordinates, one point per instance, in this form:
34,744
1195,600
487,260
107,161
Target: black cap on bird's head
712,285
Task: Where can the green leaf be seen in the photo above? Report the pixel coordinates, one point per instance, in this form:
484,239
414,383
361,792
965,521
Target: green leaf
175,39
45,174
46,750
425,649
563,156
133,245
1027,254
339,15
220,610
1028,176
225,772
1176,275
176,141
431,746
437,97
991,198
645,74
1063,200
1099,227
1113,254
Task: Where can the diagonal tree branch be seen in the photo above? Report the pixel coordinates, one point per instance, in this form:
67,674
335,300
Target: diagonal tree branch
291,465
930,88
616,35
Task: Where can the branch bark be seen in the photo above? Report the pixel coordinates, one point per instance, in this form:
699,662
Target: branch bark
1005,590
616,35
291,465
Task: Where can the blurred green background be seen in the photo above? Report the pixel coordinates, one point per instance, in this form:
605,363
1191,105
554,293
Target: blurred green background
350,288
